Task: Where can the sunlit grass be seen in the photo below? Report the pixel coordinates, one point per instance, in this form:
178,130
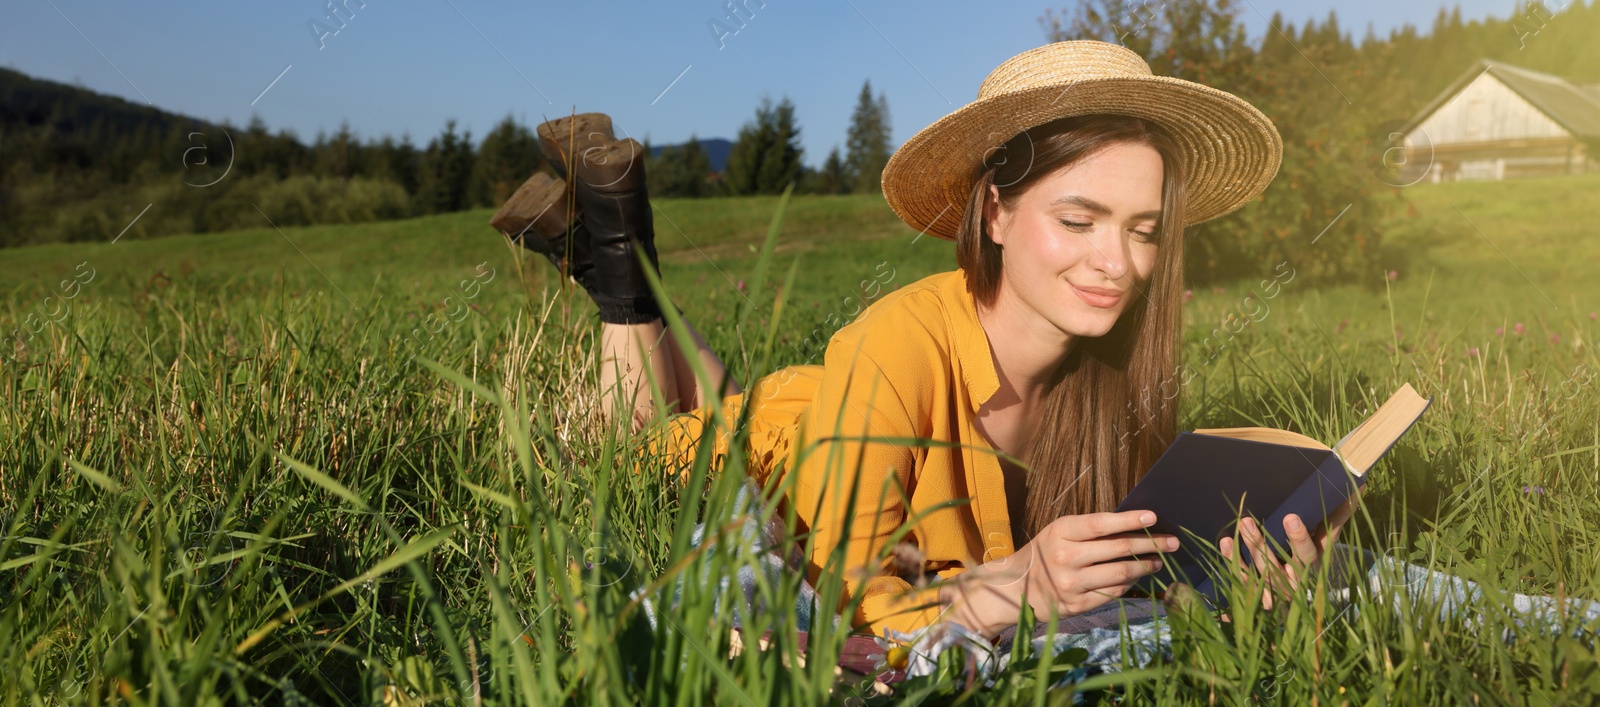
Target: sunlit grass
228,476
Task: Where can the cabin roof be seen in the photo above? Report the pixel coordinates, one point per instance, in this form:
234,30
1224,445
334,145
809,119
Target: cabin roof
1574,106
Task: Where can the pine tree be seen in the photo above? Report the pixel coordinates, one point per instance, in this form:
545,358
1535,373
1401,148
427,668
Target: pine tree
446,172
400,163
339,156
297,157
834,177
508,156
256,141
680,171
781,166
653,168
319,151
660,169
765,158
696,168
744,160
867,142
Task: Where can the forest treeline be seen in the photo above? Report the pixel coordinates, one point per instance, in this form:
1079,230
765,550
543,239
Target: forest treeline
79,166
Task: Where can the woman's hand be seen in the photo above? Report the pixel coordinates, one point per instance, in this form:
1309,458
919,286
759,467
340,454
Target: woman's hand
1308,550
1075,564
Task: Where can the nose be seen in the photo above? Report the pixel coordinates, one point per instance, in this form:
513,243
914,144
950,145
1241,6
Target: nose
1109,252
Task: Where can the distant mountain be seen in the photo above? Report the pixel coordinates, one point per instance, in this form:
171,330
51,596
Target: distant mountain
28,102
716,148
55,125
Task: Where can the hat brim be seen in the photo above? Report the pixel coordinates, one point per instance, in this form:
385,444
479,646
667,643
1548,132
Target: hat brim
1231,151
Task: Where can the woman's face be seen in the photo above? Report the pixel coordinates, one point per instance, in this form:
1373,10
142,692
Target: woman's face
1079,245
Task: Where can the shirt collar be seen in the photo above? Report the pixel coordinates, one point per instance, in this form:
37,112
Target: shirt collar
969,340
973,354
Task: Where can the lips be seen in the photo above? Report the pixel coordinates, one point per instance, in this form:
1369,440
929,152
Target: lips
1100,297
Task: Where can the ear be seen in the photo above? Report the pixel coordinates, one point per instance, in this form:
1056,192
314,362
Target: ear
992,214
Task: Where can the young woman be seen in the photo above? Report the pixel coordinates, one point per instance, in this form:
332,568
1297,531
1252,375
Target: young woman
1044,366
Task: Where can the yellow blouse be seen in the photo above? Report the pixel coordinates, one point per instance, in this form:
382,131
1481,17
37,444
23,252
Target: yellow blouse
915,364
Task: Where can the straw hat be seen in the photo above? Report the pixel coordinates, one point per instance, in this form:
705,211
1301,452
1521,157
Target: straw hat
1230,150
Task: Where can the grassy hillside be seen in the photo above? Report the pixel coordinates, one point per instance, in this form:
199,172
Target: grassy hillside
225,478
408,268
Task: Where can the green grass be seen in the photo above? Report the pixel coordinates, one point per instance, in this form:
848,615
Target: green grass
225,478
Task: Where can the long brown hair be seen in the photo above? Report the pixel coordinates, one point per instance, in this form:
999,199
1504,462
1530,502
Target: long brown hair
1111,408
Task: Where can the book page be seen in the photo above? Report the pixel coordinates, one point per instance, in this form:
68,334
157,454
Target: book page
1264,434
1366,443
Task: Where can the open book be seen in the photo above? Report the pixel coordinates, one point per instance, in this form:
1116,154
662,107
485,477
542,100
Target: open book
1208,479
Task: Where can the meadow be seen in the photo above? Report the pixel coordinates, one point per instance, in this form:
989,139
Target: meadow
365,464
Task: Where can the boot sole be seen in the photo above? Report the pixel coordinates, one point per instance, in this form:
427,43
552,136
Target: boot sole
539,206
616,166
565,140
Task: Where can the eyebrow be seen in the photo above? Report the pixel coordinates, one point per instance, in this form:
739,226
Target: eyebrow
1099,208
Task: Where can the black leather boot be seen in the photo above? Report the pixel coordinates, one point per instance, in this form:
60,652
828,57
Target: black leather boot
610,187
537,217
607,178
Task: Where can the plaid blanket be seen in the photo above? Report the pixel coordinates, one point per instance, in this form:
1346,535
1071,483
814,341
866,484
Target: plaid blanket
1131,626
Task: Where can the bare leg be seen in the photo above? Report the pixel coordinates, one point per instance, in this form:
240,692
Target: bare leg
632,355
715,370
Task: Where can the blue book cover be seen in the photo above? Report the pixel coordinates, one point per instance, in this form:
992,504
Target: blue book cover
1208,479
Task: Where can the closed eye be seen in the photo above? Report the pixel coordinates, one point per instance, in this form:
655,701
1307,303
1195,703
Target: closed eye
1076,226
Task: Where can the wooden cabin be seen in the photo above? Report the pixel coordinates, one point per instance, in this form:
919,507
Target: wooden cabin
1499,121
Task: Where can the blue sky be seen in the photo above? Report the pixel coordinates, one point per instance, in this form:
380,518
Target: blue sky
405,66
